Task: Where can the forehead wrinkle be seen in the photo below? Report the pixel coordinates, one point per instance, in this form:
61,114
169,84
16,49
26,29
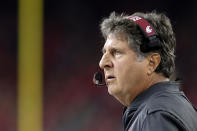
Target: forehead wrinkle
115,44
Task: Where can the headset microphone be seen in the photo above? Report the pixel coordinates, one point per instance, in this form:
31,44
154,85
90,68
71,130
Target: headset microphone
97,80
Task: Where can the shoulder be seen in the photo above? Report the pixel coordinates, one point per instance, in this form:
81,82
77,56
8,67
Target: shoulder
172,109
161,120
166,101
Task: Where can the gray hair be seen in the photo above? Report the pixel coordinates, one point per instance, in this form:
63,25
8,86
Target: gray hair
120,24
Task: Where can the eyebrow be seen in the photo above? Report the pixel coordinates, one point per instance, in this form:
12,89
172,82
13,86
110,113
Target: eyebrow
111,49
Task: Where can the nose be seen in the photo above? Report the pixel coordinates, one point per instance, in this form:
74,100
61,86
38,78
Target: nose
105,61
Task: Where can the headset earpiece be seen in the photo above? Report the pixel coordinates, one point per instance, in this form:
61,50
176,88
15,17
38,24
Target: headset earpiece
152,41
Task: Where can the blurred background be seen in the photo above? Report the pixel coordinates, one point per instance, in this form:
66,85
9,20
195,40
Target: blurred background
72,44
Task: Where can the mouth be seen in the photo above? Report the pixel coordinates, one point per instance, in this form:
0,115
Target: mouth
109,78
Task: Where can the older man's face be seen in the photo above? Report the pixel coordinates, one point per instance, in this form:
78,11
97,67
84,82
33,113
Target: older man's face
123,72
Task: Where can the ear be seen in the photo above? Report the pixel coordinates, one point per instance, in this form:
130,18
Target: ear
153,62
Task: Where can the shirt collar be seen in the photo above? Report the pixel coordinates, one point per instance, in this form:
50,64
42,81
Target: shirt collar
128,112
158,87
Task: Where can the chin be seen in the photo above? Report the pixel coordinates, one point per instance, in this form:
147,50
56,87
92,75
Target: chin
112,90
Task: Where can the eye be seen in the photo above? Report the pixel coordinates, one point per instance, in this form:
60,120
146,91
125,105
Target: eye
116,52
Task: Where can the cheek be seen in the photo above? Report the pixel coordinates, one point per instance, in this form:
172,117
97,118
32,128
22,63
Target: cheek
130,74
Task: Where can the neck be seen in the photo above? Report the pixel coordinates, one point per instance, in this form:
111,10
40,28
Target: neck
151,80
156,78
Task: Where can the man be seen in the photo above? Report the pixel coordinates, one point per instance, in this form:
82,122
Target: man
138,63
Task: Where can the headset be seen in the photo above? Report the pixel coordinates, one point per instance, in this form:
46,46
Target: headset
97,79
152,42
